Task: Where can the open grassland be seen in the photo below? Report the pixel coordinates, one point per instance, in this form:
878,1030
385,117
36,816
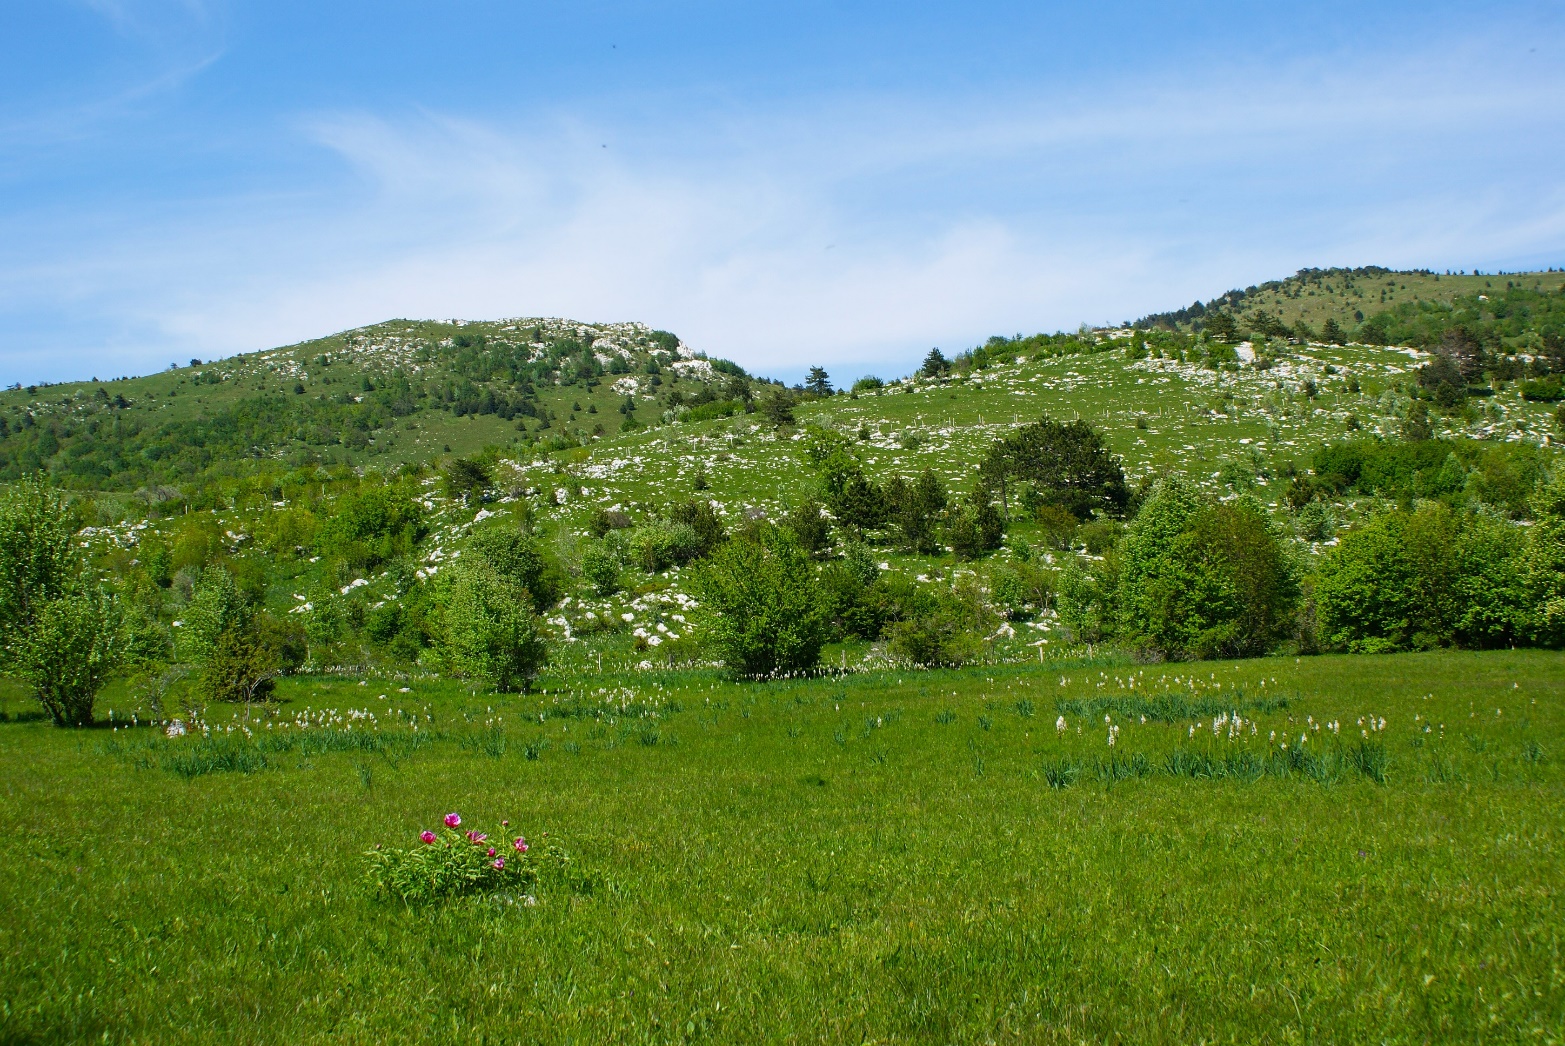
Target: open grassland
875,857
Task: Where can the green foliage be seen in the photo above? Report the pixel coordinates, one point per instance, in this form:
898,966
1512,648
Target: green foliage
468,479
242,662
941,639
367,528
1085,597
602,567
68,651
456,863
766,613
935,365
778,408
918,508
1424,578
1550,389
1067,464
1455,471
810,527
1545,559
713,410
660,544
853,499
38,557
1021,589
520,561
1203,580
216,608
699,515
491,633
975,527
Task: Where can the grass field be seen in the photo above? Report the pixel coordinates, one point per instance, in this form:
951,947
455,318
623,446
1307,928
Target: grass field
879,857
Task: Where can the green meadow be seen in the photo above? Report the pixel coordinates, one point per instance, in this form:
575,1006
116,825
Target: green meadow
1326,849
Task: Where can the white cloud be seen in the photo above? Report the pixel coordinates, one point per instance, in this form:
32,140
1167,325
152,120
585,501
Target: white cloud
854,233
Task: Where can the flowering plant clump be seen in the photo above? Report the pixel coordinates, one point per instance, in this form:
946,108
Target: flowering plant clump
452,862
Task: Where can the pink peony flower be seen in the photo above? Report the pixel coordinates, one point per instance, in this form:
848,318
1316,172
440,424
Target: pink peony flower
491,851
499,862
505,824
521,845
427,835
452,820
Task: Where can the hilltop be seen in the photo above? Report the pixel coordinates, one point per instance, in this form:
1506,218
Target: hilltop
1380,306
393,393
415,392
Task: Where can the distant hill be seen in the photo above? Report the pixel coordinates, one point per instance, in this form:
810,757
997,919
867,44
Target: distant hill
1381,306
400,391
418,392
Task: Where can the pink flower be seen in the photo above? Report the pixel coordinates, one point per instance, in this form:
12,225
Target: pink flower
452,820
505,824
521,845
499,862
427,835
475,837
491,851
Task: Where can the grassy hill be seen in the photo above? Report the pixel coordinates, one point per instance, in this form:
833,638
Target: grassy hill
231,462
411,392
1350,298
385,395
1057,842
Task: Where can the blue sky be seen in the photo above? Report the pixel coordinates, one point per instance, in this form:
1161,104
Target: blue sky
782,184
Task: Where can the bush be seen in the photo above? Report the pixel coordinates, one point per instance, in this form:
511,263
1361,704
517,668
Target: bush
1545,560
852,594
492,634
604,520
467,479
933,641
216,607
367,528
1019,590
975,528
240,665
767,614
917,508
1203,580
1426,578
449,863
38,559
518,560
602,568
1085,598
1544,390
946,633
69,651
714,410
660,545
810,527
699,515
